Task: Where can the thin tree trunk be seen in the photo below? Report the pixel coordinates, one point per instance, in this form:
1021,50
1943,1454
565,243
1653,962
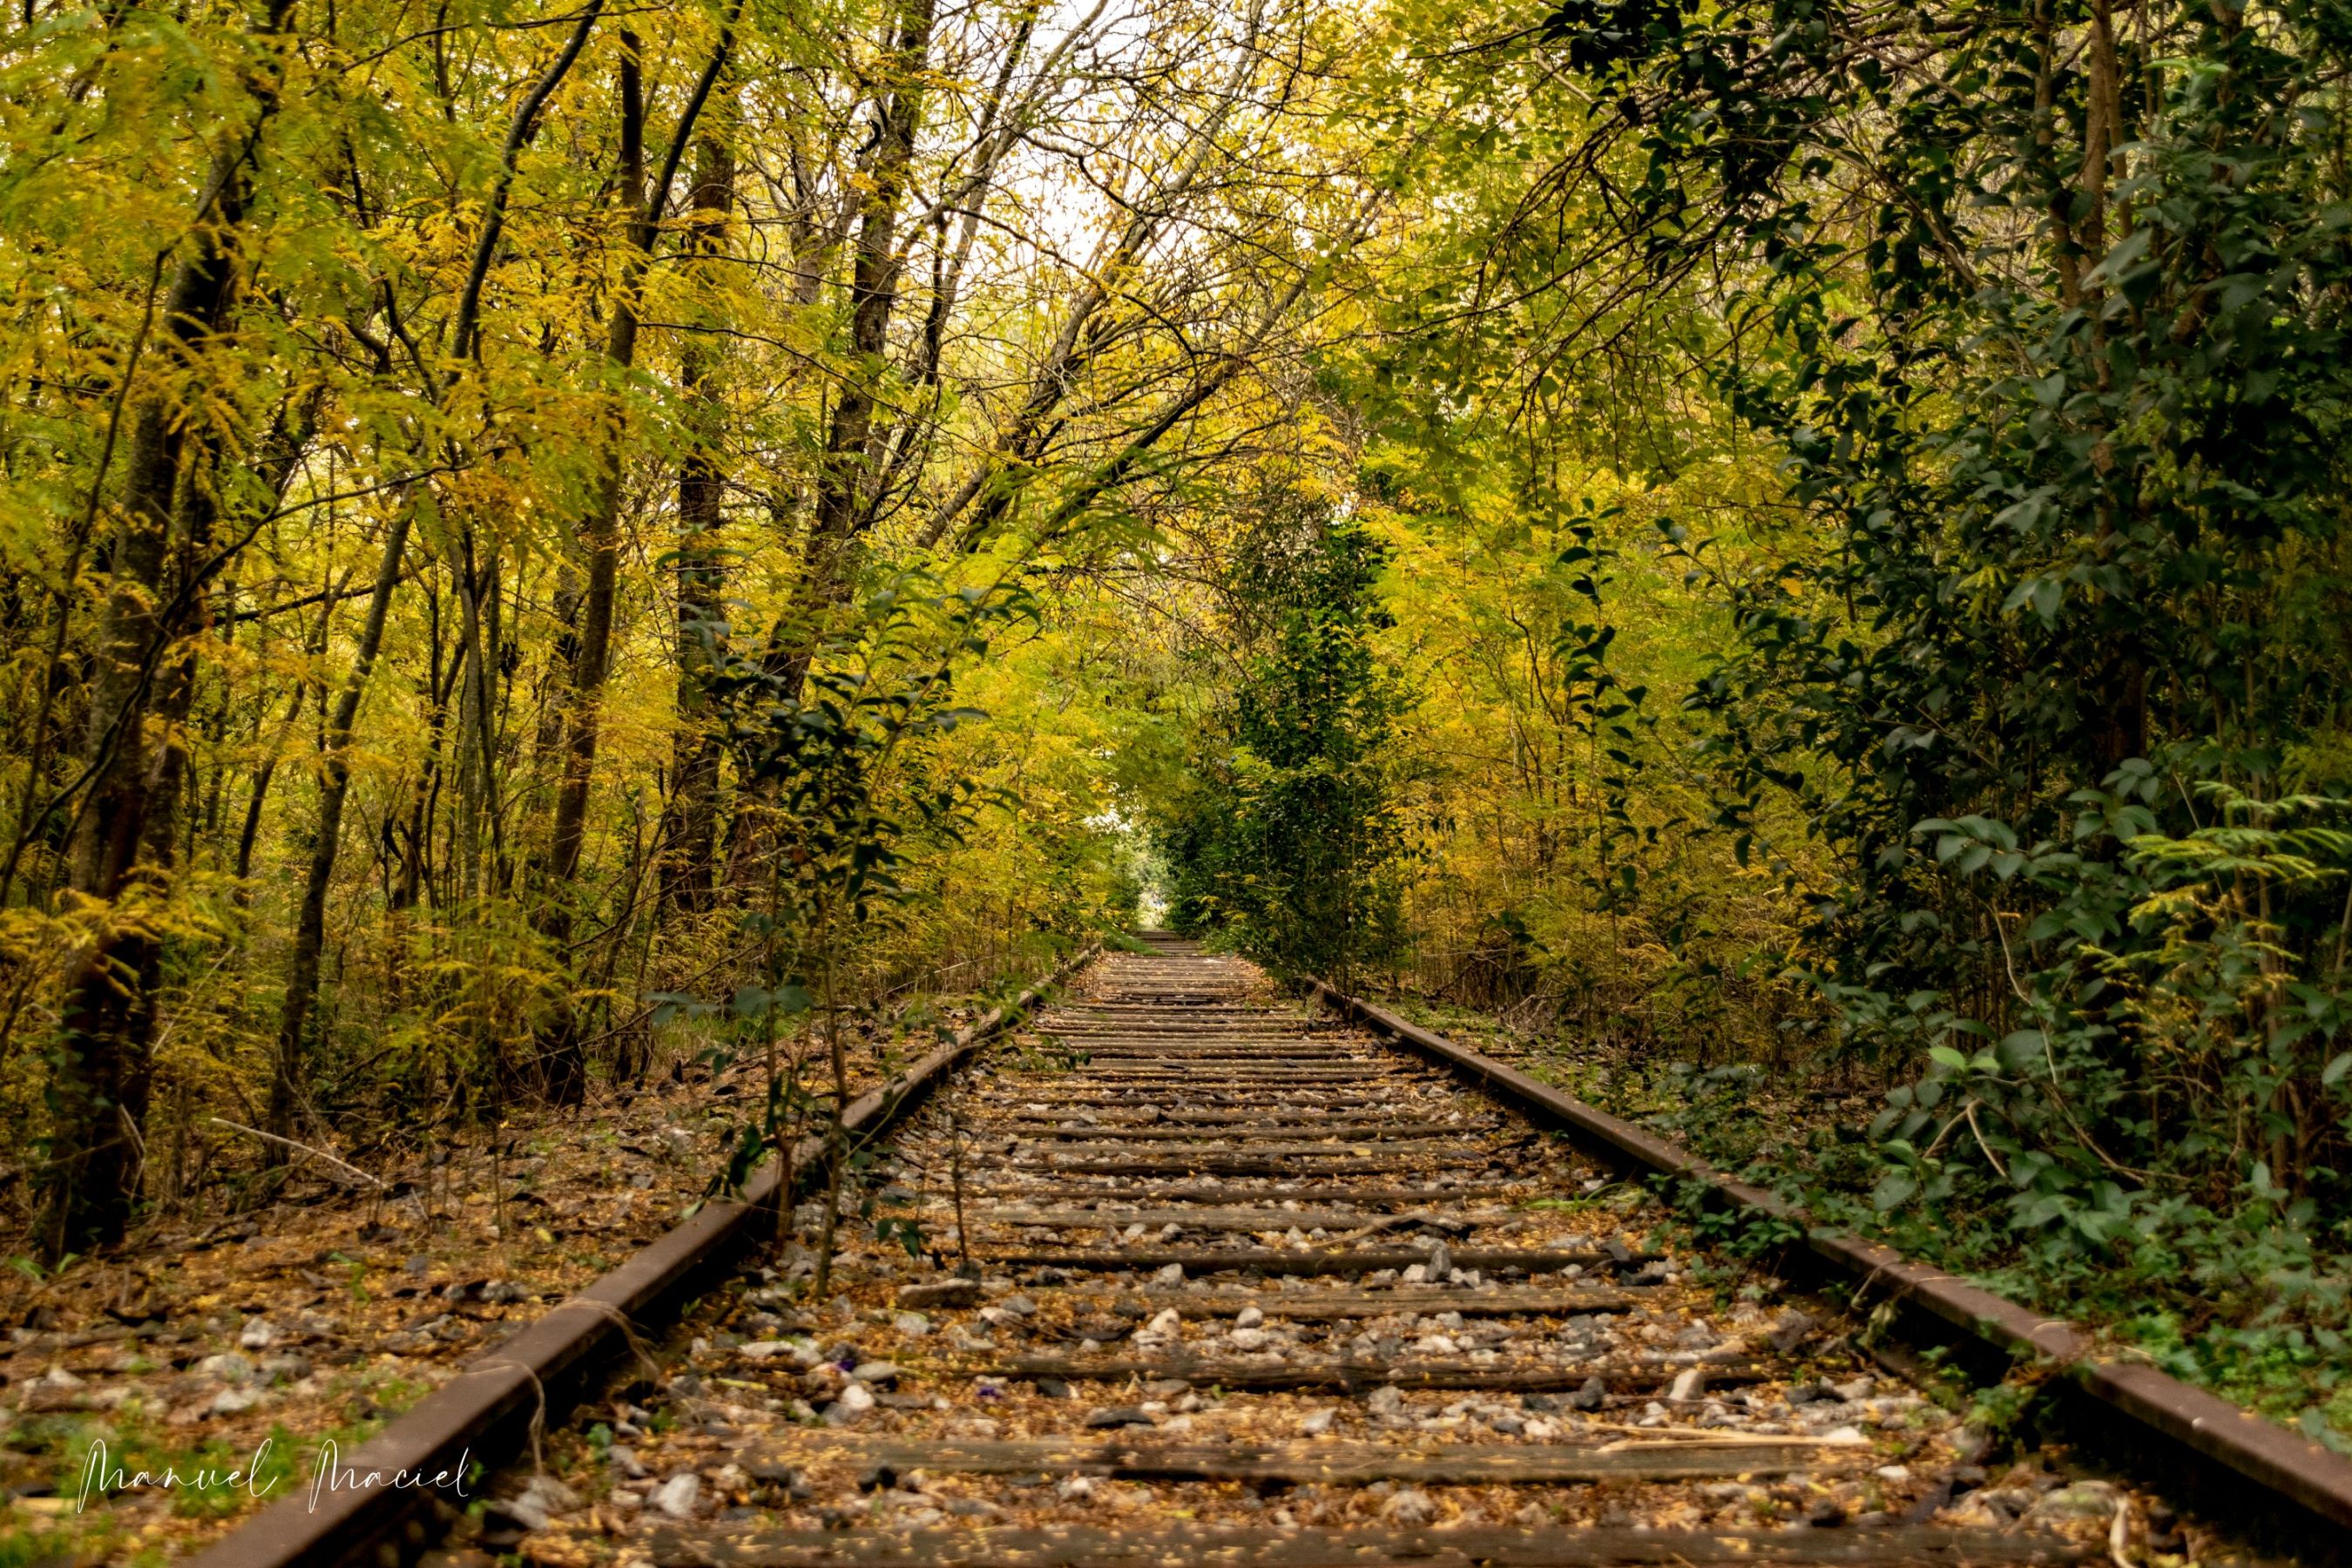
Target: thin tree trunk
465,342
562,1061
829,571
440,689
562,1054
691,838
482,814
251,831
103,1070
334,789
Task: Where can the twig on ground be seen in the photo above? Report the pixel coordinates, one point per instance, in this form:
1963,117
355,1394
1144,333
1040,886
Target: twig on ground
305,1148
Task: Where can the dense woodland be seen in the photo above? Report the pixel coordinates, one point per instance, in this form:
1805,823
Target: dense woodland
1791,551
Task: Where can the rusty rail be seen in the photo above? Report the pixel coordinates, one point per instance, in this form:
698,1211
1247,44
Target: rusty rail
2168,1421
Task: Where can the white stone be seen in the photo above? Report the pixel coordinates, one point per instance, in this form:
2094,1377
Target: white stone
540,1499
677,1496
765,1350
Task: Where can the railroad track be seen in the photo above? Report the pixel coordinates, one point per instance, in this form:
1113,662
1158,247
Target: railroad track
1183,1271
1211,1276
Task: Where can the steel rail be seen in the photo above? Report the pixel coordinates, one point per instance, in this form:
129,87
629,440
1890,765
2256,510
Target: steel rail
495,1406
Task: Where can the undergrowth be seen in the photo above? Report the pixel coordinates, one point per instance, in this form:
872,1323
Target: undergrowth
2254,1304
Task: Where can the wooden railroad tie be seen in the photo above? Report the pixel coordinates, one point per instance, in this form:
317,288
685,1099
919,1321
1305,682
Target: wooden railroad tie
1326,1306
1225,1193
1449,1141
1296,1132
1304,1462
1097,1546
1246,1220
1258,1163
1286,1260
1359,1376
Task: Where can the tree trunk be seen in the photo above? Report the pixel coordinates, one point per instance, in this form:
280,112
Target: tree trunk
563,1062
334,788
829,572
692,837
102,1073
440,689
481,814
250,833
564,1068
463,339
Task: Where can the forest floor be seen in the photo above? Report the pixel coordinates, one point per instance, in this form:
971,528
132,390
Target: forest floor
230,1347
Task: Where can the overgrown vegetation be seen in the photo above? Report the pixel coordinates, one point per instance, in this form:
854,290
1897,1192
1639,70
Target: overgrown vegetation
1778,544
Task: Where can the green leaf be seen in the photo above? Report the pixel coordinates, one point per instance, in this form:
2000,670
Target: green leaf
1894,1189
2022,1048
